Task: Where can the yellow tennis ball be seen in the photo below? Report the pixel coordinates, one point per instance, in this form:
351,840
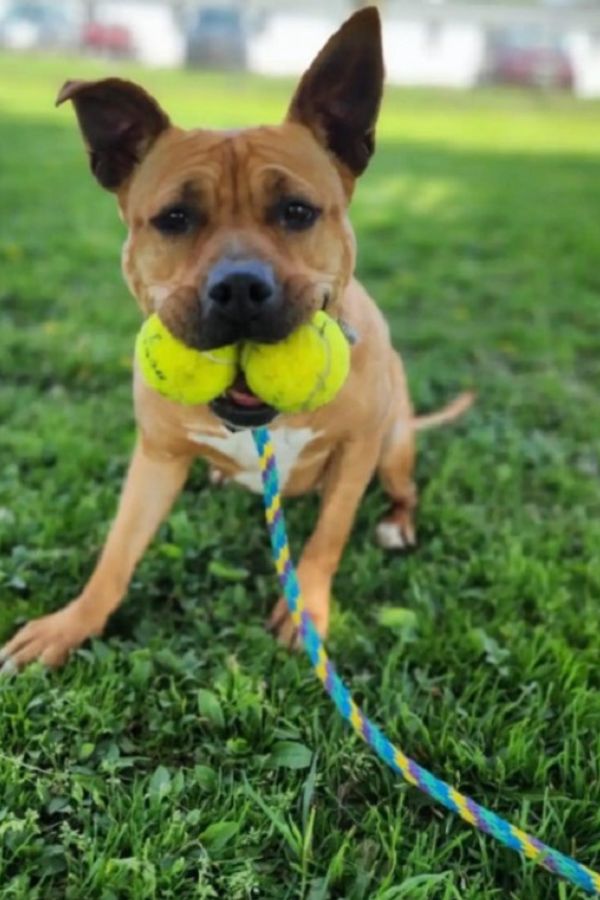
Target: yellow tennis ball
179,372
302,372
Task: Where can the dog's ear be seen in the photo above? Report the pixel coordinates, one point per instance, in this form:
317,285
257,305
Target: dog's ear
119,122
338,97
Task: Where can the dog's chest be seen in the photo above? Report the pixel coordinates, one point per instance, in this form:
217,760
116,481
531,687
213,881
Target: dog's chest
238,446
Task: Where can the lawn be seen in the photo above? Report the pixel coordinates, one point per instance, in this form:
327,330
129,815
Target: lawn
185,755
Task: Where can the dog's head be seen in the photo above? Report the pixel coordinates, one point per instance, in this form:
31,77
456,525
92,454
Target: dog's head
243,234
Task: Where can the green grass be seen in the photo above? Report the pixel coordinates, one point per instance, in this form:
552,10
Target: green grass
184,755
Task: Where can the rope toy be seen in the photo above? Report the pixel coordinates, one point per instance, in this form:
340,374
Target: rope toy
478,816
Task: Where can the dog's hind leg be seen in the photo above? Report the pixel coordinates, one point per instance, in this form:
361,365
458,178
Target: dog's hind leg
396,531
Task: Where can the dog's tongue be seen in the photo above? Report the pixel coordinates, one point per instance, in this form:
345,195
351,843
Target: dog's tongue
241,394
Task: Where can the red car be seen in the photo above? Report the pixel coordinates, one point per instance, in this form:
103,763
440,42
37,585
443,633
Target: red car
107,39
528,57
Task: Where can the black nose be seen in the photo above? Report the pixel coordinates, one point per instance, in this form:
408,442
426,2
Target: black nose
243,300
240,289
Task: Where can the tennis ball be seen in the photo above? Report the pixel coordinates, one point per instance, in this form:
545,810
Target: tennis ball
179,372
302,372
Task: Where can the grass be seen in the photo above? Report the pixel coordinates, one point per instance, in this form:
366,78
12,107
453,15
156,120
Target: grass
184,755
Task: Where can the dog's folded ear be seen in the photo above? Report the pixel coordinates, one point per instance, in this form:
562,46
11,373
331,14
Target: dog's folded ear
338,97
119,122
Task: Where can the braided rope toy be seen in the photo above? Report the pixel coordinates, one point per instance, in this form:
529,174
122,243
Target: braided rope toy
478,816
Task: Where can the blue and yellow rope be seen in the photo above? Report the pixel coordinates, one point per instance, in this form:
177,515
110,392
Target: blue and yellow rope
478,816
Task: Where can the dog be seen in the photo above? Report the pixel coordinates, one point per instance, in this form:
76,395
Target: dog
241,235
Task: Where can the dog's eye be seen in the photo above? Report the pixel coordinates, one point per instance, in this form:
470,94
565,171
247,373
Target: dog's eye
174,220
297,215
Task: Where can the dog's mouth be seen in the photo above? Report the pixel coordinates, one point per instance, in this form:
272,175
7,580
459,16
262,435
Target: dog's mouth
240,408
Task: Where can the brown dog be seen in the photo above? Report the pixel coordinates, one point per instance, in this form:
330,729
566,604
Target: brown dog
236,235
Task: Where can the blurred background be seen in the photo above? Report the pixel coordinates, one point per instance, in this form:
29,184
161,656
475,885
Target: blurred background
537,44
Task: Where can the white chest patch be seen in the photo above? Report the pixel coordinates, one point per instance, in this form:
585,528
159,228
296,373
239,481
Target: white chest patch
239,447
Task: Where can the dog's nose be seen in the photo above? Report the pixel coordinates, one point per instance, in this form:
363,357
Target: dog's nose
241,289
243,300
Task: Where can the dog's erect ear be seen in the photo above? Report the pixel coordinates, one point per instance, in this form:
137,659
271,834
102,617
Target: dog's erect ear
338,97
119,122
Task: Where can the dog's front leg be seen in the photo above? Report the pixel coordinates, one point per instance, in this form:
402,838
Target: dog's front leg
152,484
346,478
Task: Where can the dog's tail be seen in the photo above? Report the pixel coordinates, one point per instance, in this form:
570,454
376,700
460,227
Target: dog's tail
447,413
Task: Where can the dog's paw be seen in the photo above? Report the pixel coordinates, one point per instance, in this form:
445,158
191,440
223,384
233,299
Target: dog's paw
49,639
217,478
281,624
396,531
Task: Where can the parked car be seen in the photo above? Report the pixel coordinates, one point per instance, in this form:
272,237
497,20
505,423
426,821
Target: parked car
31,26
529,57
216,38
107,39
